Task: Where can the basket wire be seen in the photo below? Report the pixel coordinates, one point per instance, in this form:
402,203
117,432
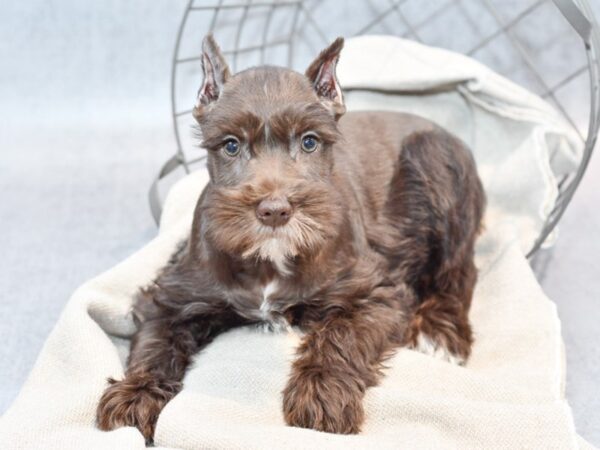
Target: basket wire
230,20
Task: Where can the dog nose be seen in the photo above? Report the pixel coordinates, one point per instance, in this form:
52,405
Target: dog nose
274,212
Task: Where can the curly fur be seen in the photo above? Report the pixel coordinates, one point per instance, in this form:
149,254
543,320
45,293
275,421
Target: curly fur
135,401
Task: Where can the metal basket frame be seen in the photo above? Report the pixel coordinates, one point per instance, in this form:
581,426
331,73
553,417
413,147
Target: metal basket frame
578,14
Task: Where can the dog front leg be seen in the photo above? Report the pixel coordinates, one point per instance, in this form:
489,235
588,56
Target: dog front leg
337,360
160,353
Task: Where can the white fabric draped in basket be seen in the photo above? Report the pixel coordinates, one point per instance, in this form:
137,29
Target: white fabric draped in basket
521,145
510,394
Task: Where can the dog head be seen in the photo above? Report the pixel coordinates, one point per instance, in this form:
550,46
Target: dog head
269,134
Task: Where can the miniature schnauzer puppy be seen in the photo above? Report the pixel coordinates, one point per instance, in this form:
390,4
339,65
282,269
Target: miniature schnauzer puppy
357,228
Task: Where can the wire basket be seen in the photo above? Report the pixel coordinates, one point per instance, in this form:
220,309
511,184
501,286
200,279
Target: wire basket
548,47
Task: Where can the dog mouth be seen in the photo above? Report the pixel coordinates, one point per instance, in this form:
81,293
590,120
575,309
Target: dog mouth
273,231
285,236
293,223
274,245
300,236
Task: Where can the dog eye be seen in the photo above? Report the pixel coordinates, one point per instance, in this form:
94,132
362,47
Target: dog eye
231,147
309,143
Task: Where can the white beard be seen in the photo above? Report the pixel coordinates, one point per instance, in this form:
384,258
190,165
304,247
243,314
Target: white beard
276,246
277,251
281,244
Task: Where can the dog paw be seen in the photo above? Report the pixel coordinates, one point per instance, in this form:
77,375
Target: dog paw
442,331
324,402
432,347
135,401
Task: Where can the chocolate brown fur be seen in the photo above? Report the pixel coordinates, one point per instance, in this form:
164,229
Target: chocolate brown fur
377,253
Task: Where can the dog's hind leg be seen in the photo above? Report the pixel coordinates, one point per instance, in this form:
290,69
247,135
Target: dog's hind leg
440,325
434,209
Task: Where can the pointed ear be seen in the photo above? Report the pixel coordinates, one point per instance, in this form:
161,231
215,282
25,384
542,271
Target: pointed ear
321,74
216,73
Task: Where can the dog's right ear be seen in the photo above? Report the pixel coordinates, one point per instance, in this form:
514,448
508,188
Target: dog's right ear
216,73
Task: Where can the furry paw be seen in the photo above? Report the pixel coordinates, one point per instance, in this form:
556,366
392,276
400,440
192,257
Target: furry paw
324,402
441,330
438,349
135,401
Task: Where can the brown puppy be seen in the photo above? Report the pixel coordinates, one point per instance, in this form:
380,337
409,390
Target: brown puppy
357,228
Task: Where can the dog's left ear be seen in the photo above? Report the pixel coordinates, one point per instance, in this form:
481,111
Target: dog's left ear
321,74
216,73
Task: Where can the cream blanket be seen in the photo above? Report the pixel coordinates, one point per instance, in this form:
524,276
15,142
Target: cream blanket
510,394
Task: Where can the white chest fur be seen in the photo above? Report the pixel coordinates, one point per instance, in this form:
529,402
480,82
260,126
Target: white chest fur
265,306
272,322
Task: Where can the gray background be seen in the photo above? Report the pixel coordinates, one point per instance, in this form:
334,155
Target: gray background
85,124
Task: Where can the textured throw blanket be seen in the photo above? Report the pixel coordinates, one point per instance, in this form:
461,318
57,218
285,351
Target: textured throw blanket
509,395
